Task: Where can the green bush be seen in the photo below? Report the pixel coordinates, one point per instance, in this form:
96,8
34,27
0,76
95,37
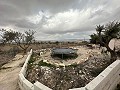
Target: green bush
31,60
41,63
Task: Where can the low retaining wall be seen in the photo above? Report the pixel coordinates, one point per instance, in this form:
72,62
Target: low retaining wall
107,80
40,86
23,82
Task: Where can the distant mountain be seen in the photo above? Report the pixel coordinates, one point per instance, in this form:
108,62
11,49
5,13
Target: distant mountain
65,40
71,40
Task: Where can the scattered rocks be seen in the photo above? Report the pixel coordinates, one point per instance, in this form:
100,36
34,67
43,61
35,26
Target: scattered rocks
64,78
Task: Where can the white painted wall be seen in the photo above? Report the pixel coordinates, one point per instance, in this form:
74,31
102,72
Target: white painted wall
40,86
23,82
107,80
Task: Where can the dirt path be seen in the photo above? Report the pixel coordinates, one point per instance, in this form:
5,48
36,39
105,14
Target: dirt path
9,73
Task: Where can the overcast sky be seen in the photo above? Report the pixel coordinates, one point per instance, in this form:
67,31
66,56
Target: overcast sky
58,19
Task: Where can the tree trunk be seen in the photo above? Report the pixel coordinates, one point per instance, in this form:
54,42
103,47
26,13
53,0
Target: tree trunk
24,51
113,56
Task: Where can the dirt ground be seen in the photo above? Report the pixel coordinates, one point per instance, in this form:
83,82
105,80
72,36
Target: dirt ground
9,73
5,58
82,52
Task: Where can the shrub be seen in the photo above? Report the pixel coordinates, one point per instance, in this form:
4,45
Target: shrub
41,63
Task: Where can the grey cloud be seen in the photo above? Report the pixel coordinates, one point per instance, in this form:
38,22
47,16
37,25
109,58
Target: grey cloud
25,24
33,6
86,29
10,10
116,14
15,12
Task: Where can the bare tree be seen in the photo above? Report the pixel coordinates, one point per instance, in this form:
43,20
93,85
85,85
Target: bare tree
23,40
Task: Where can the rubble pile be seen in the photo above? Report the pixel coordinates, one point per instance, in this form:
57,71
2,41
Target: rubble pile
67,77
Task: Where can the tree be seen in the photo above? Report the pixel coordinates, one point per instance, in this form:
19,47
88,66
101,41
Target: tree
94,38
8,36
23,40
106,33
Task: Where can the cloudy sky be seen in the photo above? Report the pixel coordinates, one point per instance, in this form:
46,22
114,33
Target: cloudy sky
58,19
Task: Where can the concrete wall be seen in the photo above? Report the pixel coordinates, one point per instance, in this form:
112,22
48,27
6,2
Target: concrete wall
23,82
107,80
40,86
